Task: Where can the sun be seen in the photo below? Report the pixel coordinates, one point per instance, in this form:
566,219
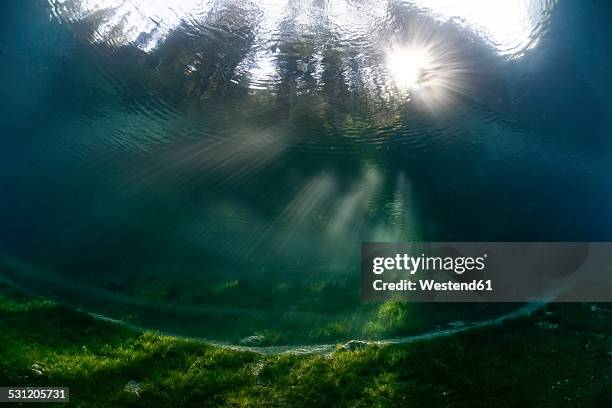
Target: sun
427,68
409,66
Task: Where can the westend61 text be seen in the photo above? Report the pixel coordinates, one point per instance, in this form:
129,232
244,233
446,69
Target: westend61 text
432,285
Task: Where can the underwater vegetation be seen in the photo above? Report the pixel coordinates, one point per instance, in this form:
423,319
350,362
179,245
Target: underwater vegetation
558,357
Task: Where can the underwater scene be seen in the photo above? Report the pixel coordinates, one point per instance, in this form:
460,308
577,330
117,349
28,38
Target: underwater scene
210,168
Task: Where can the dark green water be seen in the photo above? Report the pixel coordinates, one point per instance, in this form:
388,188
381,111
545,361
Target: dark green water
211,170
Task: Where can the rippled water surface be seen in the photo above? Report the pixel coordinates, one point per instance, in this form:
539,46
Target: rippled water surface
210,168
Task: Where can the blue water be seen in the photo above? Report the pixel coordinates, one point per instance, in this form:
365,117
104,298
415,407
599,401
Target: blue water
210,169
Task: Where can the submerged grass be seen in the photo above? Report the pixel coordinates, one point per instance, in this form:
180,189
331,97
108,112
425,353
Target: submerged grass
558,357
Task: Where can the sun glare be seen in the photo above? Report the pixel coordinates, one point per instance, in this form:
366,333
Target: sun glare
426,68
408,67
